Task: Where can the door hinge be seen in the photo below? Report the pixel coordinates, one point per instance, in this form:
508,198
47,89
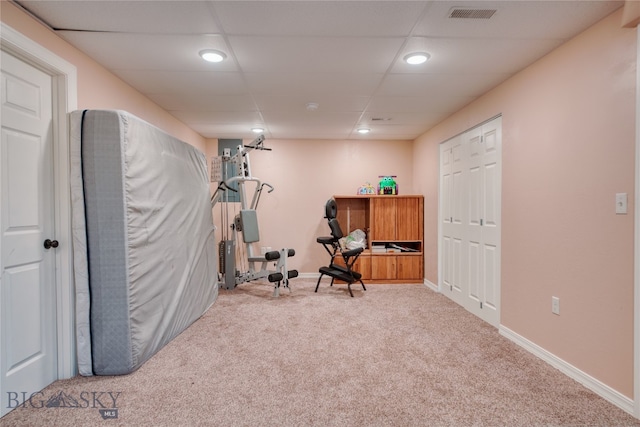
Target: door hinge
480,304
481,222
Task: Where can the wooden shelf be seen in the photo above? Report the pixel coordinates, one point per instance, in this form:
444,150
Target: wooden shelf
386,220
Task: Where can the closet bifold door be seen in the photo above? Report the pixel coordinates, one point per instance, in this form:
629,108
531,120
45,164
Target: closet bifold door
452,193
470,182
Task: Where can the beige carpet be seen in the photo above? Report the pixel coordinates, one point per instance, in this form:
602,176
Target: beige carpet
395,355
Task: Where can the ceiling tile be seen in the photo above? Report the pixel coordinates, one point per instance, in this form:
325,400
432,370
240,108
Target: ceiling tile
175,52
533,19
327,102
229,130
246,118
315,54
177,82
418,104
440,85
324,18
393,118
203,101
158,17
312,84
477,55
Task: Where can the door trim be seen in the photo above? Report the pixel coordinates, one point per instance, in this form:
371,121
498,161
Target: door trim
636,245
64,87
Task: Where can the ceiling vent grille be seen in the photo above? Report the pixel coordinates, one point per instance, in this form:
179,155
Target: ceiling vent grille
466,13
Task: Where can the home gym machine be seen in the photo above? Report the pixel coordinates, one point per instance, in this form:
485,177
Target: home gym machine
241,264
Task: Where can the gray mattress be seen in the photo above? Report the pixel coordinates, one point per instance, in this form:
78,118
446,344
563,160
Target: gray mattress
143,239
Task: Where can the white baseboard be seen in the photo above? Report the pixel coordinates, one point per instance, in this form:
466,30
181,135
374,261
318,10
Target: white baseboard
429,284
309,275
623,402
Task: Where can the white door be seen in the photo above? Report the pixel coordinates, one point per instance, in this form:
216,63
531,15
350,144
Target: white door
452,190
28,353
483,221
470,200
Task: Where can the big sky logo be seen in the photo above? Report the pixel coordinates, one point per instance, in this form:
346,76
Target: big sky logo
105,401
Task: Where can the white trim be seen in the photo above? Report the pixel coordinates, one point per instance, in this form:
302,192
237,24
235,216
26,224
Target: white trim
64,78
598,387
636,247
429,284
439,277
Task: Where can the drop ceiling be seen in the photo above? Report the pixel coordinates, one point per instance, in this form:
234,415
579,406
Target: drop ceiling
346,56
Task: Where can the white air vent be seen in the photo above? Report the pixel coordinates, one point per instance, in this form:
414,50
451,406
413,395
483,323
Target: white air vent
380,119
468,13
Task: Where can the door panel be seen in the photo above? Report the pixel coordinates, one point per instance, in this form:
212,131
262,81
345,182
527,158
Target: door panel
474,272
457,264
490,269
22,291
28,354
446,260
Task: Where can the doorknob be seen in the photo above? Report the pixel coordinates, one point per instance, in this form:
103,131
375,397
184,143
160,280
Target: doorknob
50,244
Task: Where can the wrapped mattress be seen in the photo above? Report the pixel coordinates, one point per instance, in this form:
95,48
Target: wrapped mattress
143,239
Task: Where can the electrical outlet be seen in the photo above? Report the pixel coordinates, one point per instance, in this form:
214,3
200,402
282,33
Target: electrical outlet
555,305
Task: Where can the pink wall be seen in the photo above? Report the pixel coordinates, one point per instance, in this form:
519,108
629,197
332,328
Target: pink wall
305,173
568,147
97,87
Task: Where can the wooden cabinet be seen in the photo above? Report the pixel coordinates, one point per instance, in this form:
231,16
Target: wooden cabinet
404,268
394,229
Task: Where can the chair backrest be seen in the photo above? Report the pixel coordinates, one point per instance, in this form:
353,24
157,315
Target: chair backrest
336,231
330,209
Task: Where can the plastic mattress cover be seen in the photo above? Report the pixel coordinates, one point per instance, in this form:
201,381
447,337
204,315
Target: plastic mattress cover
143,239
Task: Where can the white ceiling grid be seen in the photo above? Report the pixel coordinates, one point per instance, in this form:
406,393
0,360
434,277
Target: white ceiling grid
344,55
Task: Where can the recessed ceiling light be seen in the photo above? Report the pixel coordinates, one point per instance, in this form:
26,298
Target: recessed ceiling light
211,55
363,131
257,130
417,58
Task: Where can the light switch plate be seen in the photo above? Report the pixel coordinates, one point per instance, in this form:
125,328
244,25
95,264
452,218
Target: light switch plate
621,203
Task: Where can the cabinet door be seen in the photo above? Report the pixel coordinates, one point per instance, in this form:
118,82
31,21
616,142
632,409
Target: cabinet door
408,219
363,266
384,220
409,267
383,267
